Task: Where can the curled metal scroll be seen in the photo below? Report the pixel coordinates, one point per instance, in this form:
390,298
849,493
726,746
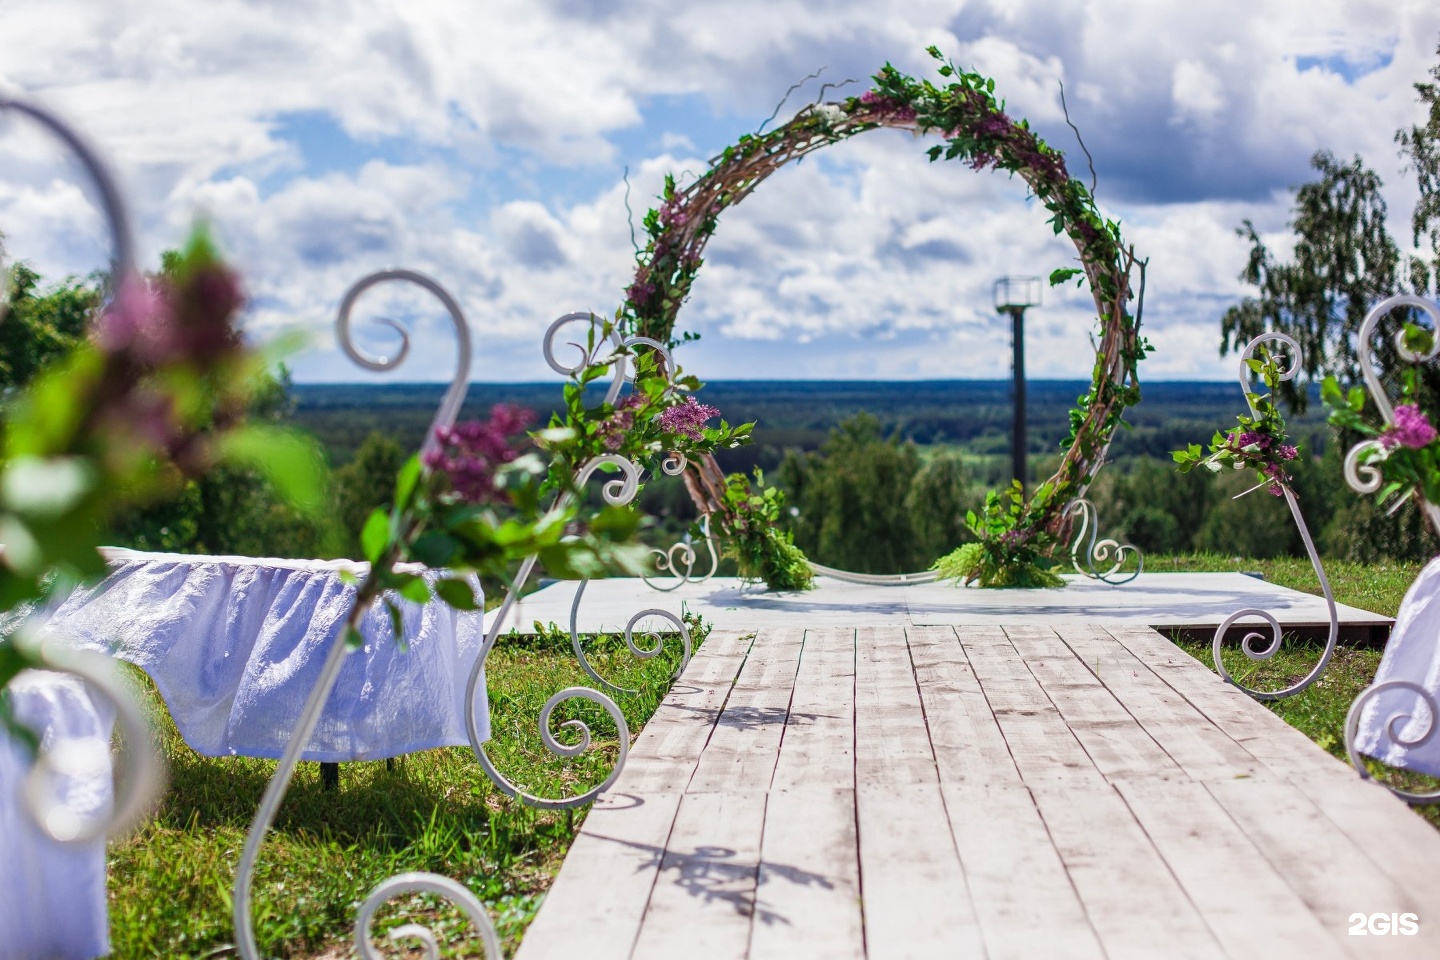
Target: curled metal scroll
678,562
314,704
1099,553
112,207
142,778
642,653
403,883
1359,473
455,395
472,725
1253,644
1393,725
619,491
590,351
1367,351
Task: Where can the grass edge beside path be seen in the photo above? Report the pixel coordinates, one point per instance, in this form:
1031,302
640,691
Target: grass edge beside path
1320,711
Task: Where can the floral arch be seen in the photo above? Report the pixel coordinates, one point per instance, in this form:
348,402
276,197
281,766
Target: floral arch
973,127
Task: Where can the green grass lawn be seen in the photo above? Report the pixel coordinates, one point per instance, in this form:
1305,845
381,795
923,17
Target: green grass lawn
169,883
1320,711
436,811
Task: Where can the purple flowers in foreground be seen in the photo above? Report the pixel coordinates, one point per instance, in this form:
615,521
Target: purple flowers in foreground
1410,429
1261,451
613,430
688,418
470,453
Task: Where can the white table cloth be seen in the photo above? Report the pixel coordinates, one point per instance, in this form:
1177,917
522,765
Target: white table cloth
52,895
235,645
1413,654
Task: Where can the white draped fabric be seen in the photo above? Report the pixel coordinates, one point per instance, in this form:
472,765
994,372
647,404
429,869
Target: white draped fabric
52,894
1413,654
235,645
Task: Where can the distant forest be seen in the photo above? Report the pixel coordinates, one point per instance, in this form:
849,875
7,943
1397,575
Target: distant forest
879,474
800,415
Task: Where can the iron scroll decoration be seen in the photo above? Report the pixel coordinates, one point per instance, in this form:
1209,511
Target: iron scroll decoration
1105,559
1414,726
618,491
1254,644
974,128
143,775
310,713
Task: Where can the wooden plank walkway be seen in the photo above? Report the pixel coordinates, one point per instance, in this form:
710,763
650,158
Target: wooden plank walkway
1056,791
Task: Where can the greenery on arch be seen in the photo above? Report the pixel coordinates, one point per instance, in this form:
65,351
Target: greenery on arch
974,128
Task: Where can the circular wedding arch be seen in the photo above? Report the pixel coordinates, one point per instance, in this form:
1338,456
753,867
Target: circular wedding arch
974,128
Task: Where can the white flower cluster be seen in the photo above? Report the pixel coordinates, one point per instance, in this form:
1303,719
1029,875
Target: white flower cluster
831,113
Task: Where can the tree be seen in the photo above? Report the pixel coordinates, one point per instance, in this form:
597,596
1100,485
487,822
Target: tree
41,325
851,499
1345,261
937,502
366,482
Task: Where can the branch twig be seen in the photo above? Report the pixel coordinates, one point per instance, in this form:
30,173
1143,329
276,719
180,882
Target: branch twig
793,87
1088,159
629,213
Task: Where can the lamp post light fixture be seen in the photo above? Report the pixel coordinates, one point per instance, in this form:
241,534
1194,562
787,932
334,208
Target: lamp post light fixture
1012,296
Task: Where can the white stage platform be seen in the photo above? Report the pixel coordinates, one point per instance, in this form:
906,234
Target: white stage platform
1187,601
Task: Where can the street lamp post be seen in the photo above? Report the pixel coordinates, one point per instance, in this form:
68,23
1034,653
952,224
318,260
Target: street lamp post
1012,296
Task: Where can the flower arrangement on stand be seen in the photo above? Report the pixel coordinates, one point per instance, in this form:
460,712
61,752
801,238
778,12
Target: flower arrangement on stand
1260,442
485,496
1403,450
1394,720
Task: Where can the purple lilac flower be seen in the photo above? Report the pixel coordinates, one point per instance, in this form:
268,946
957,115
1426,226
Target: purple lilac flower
613,429
471,452
136,307
1287,452
687,418
1251,438
160,322
993,125
1278,478
640,292
887,108
1410,429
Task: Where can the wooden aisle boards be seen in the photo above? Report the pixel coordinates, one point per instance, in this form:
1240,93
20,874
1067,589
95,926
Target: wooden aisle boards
1071,791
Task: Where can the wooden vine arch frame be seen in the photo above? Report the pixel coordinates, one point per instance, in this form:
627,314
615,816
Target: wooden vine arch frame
974,128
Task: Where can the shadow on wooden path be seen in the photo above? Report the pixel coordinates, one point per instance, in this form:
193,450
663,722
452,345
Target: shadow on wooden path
1002,792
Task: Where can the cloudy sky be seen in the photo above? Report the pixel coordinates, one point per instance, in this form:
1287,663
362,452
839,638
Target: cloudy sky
488,142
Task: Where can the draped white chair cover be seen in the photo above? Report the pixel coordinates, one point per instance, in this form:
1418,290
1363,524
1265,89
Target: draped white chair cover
1413,654
52,894
235,644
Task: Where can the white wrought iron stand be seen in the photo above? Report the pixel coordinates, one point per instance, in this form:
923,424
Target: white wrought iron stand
1365,478
1250,643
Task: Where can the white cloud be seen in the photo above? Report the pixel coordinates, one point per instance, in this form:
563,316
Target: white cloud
877,261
